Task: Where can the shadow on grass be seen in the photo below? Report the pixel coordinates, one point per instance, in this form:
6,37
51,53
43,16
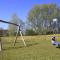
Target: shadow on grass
58,47
9,42
32,44
11,48
18,47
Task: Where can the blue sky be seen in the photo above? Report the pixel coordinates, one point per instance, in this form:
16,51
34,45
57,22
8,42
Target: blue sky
20,7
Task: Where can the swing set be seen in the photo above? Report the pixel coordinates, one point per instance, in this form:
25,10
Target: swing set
18,32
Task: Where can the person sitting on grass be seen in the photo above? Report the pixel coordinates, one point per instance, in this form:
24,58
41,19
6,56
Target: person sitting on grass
54,42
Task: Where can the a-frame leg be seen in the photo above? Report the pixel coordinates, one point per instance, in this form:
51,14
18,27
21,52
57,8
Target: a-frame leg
22,39
19,31
16,36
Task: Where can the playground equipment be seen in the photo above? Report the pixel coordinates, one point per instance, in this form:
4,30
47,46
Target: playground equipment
0,45
18,31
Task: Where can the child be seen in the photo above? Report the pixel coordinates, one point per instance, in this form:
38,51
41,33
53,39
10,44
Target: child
53,41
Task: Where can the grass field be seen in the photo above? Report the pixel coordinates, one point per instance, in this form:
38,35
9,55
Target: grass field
38,48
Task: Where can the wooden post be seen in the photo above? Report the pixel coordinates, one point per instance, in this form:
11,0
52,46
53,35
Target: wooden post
0,44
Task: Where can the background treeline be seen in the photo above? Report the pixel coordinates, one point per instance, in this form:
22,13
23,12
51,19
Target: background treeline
41,19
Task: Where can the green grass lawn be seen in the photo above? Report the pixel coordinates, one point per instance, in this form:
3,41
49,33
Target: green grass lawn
38,48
